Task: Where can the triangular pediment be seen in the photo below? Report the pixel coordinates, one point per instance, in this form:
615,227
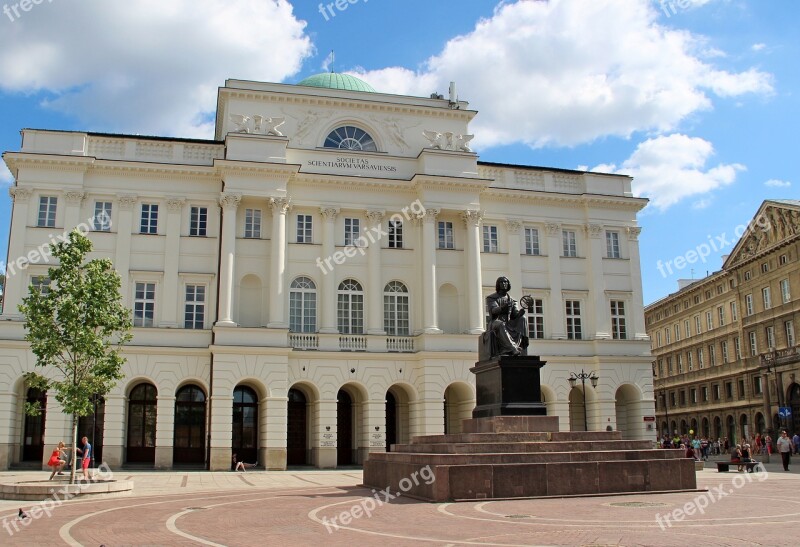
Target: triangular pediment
776,222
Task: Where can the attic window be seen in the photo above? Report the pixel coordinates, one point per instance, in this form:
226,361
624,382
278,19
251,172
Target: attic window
348,137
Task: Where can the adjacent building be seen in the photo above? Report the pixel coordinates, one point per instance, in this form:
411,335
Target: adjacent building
309,286
725,347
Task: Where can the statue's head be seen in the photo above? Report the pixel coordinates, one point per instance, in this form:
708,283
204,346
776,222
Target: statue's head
502,284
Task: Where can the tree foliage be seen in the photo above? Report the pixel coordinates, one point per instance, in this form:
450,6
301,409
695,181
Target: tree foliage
76,328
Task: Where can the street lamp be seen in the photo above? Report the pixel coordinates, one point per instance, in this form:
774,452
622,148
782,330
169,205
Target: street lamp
583,376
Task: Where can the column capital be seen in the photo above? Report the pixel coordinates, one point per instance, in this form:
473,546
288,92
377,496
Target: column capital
74,197
514,226
281,205
593,230
553,228
329,213
374,216
472,217
126,201
229,201
20,195
174,205
633,233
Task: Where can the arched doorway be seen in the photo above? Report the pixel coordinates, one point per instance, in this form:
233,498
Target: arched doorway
297,429
793,396
693,427
684,428
458,404
664,428
629,417
244,442
706,431
577,410
33,444
398,415
91,426
391,420
717,427
190,426
141,446
344,429
761,424
673,428
744,428
730,424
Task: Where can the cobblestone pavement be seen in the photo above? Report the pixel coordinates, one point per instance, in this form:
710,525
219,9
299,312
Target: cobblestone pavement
327,507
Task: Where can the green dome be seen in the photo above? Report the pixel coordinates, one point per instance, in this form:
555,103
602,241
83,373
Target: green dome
332,80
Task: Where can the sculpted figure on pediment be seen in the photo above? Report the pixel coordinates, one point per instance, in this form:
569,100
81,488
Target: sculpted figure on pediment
306,124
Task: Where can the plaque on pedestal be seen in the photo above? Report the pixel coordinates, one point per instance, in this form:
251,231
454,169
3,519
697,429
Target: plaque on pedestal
509,386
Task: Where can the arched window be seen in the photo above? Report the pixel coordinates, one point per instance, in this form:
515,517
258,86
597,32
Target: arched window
245,424
303,305
350,138
190,425
142,424
395,309
351,307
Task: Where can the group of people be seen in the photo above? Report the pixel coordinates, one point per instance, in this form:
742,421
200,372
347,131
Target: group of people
58,459
699,448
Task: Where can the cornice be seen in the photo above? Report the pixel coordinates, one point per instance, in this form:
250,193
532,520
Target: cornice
52,162
510,195
438,182
276,171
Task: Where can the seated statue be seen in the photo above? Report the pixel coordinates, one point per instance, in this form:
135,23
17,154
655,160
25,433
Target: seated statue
507,332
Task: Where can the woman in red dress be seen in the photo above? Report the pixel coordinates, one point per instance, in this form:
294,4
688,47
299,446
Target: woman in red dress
56,461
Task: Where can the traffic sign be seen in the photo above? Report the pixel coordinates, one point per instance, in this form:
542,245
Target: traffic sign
785,412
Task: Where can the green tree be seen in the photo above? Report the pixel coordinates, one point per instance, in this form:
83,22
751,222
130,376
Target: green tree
76,328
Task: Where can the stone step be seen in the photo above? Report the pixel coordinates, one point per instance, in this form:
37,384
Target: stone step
562,446
423,459
518,437
511,424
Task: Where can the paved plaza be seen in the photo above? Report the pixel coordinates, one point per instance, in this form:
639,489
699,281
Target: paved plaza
329,508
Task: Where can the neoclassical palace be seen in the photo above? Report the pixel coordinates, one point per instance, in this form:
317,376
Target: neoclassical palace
725,346
309,286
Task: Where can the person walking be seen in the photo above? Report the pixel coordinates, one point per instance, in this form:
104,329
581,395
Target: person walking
785,447
57,460
796,441
86,453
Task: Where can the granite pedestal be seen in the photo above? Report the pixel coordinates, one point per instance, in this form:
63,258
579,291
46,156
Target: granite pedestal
508,386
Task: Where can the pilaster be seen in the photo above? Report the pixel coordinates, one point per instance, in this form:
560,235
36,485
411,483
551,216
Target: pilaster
277,316
328,296
554,270
229,202
375,287
172,255
472,220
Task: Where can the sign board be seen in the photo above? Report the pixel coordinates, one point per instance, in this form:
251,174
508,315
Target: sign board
649,418
785,412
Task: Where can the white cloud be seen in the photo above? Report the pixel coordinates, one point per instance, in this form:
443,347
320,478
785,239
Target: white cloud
6,178
670,168
758,47
148,66
775,183
564,73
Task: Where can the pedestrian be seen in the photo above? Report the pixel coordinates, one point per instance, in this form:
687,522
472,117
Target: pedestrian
768,444
57,460
727,445
86,454
796,441
785,447
237,465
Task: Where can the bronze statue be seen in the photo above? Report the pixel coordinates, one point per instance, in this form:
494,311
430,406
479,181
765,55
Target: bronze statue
507,332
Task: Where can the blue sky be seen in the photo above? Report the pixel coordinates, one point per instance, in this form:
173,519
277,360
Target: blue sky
697,99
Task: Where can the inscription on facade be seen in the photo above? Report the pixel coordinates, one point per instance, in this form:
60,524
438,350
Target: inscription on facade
354,164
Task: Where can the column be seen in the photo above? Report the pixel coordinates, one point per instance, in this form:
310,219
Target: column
277,302
324,443
636,321
221,436
229,203
556,313
72,211
122,257
514,227
328,296
165,431
172,255
375,284
472,220
428,264
114,436
10,409
598,310
16,278
274,431
430,411
372,437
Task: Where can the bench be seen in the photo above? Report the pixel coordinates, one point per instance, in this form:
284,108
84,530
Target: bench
724,467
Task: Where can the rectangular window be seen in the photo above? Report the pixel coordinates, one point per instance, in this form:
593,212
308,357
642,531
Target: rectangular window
766,296
748,304
352,231
660,368
395,234
682,394
41,284
658,339
198,223
709,320
785,294
700,363
704,393
693,395
757,389
770,332
149,219
574,331
686,329
729,390
532,242
747,275
753,344
47,212
788,328
715,391
490,239
101,222
304,229
446,240
672,398
612,245
667,336
712,355
782,260
734,315
689,361
252,223
724,345
737,348
669,365
721,316
680,363
195,310
697,325
764,267
569,243
677,333
536,320
741,388
144,305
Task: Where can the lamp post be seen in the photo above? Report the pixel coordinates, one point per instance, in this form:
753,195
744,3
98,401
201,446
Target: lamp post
583,376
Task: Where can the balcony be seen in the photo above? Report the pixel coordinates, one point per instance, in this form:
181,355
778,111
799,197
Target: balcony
780,357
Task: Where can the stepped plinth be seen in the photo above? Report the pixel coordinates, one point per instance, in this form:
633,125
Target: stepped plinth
503,457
